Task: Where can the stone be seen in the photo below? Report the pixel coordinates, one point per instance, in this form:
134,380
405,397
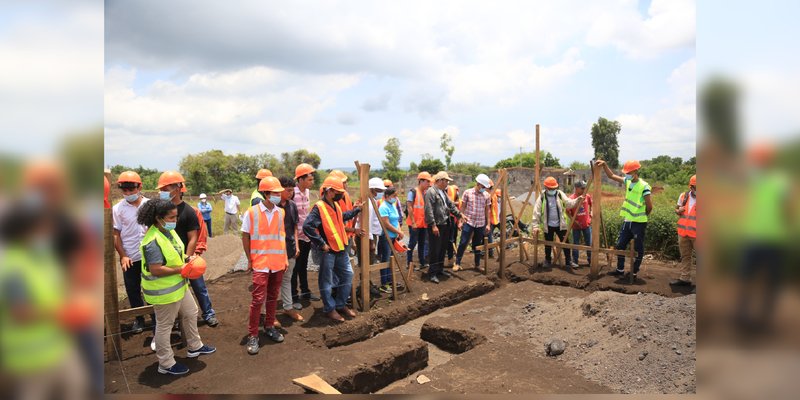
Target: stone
555,347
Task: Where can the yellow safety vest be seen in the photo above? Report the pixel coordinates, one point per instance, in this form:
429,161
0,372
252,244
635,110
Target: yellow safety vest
163,289
633,208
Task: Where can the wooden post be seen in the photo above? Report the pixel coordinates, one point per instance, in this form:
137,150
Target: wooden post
597,217
363,177
113,345
633,260
354,284
577,207
504,193
485,255
392,264
538,190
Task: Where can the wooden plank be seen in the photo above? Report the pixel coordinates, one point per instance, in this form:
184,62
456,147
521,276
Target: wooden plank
316,384
594,270
353,284
111,299
392,261
363,176
136,312
577,207
579,247
497,244
485,255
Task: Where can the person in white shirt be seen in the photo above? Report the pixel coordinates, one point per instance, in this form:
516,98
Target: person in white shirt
231,212
128,234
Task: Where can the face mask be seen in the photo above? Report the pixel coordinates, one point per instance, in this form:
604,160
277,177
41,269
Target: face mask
379,196
552,192
481,190
392,200
164,196
169,225
132,198
275,199
338,197
629,177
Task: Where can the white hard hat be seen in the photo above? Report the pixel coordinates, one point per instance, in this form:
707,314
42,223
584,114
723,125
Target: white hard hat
483,180
376,183
203,195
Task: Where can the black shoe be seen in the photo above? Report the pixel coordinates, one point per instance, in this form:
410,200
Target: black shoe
310,296
617,272
274,335
434,279
445,273
137,327
212,321
680,282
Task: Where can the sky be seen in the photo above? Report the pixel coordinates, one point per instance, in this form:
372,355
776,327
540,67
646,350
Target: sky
342,77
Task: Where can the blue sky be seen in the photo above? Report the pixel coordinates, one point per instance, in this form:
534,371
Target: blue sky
340,78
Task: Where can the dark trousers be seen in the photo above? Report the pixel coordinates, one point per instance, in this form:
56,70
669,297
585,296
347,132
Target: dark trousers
438,245
548,235
133,287
467,232
450,250
384,252
201,293
417,237
300,273
208,227
628,231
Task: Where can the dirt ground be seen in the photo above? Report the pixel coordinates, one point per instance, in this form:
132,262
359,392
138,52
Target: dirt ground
380,349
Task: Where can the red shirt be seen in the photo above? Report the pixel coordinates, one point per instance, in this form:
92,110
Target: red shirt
584,218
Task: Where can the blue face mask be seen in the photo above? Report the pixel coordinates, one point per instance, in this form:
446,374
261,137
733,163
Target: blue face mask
170,225
132,197
379,196
481,190
552,192
164,196
275,200
392,200
629,177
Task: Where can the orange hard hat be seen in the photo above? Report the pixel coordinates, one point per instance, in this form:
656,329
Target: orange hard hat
263,173
693,180
339,174
270,184
303,169
43,172
631,165
169,178
399,246
332,182
550,182
424,175
387,183
194,268
129,176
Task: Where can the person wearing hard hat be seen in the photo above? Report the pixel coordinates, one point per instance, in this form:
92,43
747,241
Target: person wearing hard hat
391,219
581,222
475,222
128,234
165,270
550,210
635,209
438,208
417,229
264,243
346,204
171,186
325,227
686,209
231,221
453,193
388,183
304,176
205,209
256,197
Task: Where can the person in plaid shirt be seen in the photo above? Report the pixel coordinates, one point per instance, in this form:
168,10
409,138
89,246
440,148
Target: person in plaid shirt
475,210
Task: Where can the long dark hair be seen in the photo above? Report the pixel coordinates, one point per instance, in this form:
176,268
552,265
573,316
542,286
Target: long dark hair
150,211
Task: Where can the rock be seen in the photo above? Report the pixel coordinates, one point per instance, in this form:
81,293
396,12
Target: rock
422,379
643,355
424,296
555,347
591,343
678,352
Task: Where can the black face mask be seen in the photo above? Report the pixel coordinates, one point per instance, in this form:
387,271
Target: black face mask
338,197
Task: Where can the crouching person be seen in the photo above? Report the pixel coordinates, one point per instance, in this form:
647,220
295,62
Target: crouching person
264,241
165,275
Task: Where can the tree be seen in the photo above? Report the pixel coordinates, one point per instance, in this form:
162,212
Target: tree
549,160
430,164
447,148
297,157
577,165
528,160
392,162
472,169
604,141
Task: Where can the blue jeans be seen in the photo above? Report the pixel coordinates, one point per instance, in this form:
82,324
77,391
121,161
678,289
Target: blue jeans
492,227
587,239
133,287
476,233
384,252
201,293
336,267
418,236
208,227
628,231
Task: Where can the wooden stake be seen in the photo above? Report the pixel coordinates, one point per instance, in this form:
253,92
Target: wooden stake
113,346
598,205
392,263
577,207
363,176
502,222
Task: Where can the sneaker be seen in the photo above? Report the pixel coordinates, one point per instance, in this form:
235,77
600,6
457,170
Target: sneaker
297,306
137,327
386,289
434,279
177,369
617,272
212,321
574,265
203,350
274,335
252,345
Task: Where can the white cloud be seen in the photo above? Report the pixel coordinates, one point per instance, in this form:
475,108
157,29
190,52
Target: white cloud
349,138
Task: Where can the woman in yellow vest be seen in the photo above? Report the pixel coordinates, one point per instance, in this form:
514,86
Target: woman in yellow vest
325,227
635,209
686,209
164,281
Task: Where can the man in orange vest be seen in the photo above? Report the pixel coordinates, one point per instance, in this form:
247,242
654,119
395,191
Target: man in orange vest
417,228
686,209
324,226
264,242
346,204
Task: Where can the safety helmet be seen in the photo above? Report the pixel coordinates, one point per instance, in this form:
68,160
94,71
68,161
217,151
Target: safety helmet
303,169
332,182
631,165
129,176
550,182
197,267
693,180
387,183
170,177
339,174
399,246
270,184
263,173
424,175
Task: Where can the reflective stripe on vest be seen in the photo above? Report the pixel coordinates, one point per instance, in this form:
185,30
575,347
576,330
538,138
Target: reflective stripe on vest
687,223
163,289
631,209
418,210
267,248
31,347
346,205
333,229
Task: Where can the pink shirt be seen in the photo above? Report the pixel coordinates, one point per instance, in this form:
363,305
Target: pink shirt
303,208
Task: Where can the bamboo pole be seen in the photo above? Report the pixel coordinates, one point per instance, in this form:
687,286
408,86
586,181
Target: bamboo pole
598,205
113,346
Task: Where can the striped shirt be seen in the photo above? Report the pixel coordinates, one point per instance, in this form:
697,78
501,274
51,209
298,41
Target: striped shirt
475,207
303,208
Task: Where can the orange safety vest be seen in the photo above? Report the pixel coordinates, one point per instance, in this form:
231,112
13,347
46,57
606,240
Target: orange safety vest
452,193
687,223
347,205
332,225
267,241
419,210
495,210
